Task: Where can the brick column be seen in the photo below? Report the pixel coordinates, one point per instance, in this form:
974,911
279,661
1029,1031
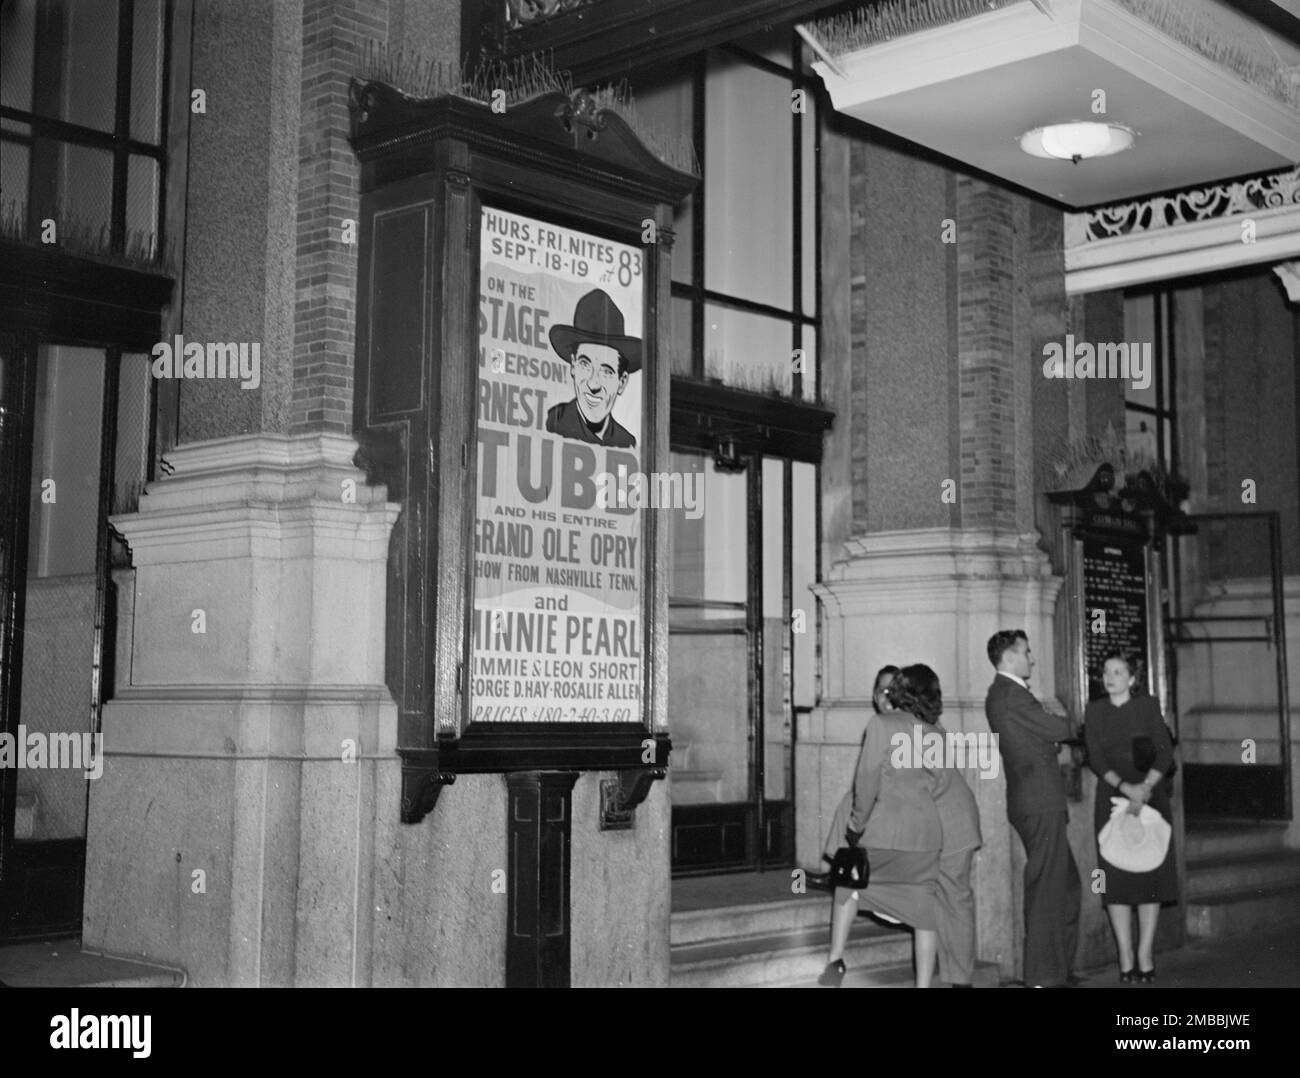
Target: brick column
945,382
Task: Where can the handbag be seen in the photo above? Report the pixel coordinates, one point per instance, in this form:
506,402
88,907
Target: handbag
1144,756
1134,843
850,868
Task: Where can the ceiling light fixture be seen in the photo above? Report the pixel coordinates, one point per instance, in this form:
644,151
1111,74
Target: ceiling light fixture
1076,140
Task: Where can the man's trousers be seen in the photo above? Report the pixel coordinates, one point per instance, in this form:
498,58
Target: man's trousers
956,909
1051,898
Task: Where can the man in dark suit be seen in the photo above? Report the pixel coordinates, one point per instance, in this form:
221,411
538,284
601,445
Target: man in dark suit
1027,736
601,357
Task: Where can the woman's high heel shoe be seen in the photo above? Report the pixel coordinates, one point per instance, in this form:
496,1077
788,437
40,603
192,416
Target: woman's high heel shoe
1127,976
833,974
1147,976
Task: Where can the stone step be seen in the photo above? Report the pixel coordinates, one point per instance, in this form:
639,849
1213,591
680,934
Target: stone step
63,964
1236,913
1228,752
809,911
901,975
784,958
1227,723
1225,838
1255,871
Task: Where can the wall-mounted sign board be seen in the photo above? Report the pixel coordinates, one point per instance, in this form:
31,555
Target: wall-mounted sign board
514,286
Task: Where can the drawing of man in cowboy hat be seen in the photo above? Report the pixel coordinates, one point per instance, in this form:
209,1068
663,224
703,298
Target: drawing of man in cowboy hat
600,359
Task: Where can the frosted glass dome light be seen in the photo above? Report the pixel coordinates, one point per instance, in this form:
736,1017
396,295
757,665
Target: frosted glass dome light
1076,140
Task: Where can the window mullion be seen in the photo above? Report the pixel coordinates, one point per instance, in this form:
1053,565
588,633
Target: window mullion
122,124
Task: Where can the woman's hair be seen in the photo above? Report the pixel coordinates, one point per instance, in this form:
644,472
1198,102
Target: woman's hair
916,690
1130,660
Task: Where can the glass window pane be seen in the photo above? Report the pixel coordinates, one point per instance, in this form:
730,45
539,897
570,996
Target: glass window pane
131,460
748,180
17,47
680,312
776,632
809,364
808,199
15,161
146,69
86,205
708,646
774,539
664,102
709,554
1139,328
59,619
64,515
1141,439
803,574
747,351
141,198
90,69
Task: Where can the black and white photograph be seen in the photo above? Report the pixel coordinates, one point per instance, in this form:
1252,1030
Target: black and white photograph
650,494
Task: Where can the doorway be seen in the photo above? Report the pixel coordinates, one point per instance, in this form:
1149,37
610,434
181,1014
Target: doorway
1226,634
742,638
61,437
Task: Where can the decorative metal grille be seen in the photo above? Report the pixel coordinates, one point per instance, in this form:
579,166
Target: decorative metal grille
1273,191
521,13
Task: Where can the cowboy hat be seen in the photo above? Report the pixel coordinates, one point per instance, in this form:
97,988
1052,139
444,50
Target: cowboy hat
1134,843
597,320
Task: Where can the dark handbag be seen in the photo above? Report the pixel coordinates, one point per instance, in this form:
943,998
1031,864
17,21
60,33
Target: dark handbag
1144,757
1144,754
849,868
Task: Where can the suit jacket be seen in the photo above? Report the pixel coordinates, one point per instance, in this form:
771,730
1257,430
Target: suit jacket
566,421
895,806
958,811
1027,735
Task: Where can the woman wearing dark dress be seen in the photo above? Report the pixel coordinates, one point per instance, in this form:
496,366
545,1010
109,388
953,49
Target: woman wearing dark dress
895,817
1130,750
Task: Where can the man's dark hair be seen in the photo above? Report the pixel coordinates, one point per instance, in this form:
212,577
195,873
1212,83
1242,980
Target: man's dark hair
916,690
1003,641
622,359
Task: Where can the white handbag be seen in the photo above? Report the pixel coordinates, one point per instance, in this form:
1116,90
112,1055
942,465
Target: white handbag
1134,843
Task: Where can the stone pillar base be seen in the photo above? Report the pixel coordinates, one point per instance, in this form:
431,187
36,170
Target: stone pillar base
233,827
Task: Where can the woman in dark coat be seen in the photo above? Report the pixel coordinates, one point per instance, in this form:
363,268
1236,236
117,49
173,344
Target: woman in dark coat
1130,750
895,817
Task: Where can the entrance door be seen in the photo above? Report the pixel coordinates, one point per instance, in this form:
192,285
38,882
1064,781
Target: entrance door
1226,637
54,648
736,648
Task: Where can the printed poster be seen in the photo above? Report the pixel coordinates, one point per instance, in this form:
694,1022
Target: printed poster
558,609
